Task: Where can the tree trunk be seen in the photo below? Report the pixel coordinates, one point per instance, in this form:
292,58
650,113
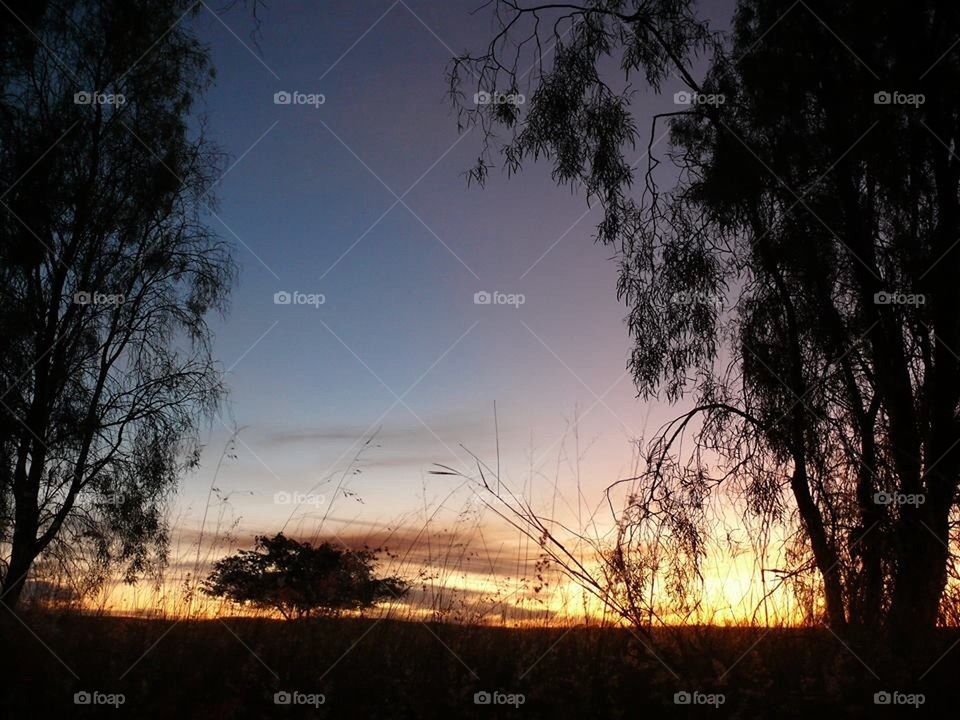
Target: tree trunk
21,558
824,553
919,580
23,546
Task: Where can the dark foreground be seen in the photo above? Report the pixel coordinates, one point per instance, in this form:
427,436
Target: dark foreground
70,666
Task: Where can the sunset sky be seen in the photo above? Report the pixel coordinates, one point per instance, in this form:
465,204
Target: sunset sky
362,199
318,385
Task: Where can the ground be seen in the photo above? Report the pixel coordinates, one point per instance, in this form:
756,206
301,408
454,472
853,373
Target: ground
364,668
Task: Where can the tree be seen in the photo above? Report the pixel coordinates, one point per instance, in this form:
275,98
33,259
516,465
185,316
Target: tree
298,579
795,287
107,273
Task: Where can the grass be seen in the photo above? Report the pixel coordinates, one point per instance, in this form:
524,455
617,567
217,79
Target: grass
232,667
197,659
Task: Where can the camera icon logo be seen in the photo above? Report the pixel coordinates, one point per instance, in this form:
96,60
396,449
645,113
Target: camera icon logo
482,698
682,698
482,298
882,698
282,298
481,98
82,298
82,698
882,498
682,98
282,698
282,98
84,97
882,298
882,98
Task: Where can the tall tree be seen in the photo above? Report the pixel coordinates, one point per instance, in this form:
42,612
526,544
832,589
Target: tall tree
797,282
108,275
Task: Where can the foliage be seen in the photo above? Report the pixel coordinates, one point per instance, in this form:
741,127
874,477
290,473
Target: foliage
299,579
108,272
759,285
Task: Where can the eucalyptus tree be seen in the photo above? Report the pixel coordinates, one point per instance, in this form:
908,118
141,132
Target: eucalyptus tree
109,273
789,266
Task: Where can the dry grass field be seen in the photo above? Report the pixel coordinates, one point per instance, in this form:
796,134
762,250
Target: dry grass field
368,668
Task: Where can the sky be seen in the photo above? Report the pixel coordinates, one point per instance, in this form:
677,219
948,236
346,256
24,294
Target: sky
362,199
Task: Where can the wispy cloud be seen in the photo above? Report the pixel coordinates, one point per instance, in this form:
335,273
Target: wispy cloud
401,430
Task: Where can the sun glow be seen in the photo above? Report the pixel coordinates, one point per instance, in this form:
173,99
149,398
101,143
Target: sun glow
733,592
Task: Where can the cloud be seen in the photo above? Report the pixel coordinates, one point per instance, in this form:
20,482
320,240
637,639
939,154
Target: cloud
452,428
408,548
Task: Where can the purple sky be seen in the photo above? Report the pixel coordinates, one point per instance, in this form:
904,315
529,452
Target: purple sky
399,344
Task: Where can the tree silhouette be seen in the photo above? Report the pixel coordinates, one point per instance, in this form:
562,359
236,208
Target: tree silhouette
107,273
299,580
795,283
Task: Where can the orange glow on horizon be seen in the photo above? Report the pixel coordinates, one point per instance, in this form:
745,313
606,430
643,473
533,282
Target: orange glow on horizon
731,594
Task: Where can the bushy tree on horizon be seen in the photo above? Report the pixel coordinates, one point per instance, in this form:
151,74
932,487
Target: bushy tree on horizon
299,579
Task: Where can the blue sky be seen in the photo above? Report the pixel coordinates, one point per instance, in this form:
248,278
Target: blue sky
305,206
